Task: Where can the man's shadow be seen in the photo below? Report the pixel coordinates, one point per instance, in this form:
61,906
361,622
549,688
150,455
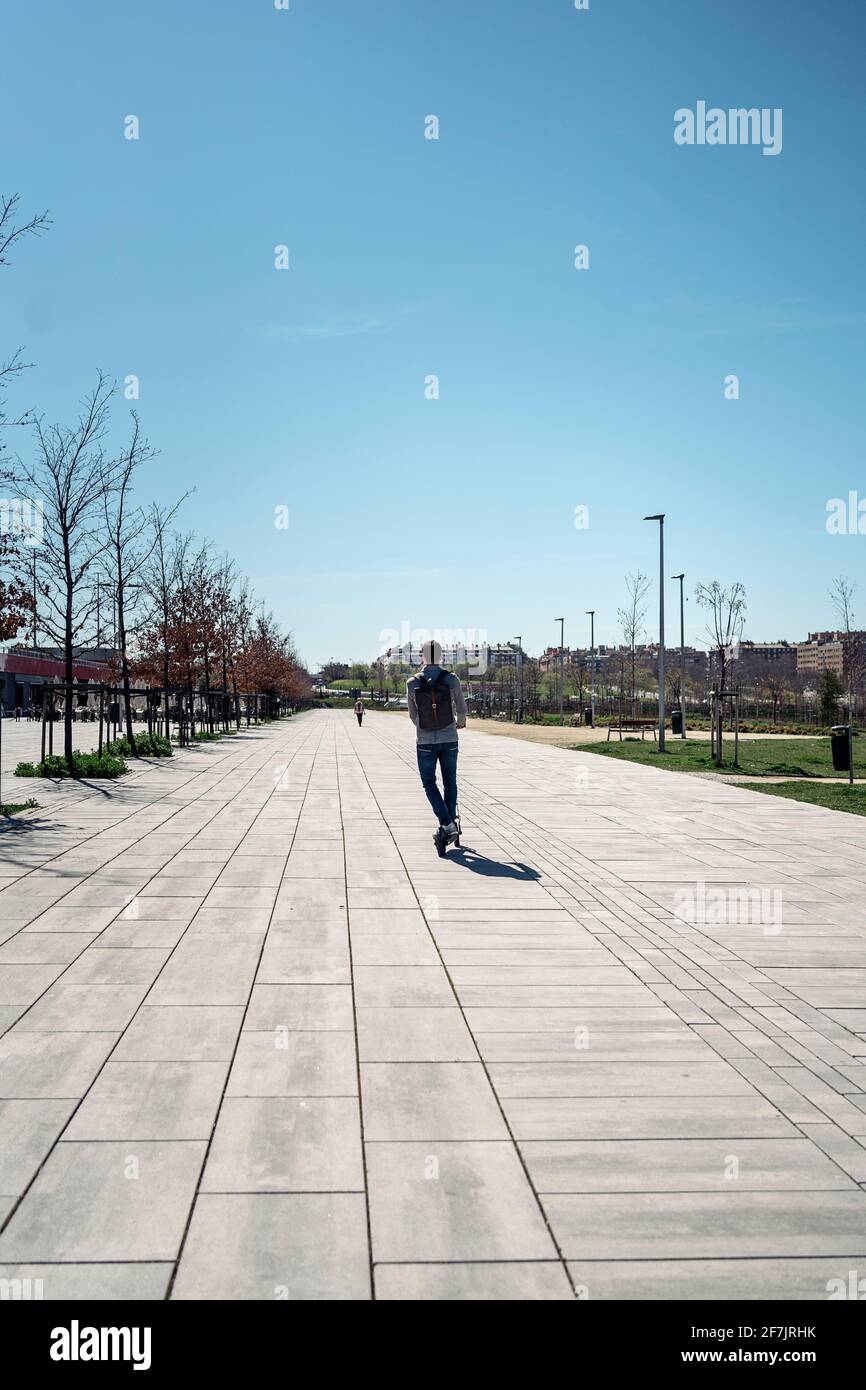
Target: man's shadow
491,868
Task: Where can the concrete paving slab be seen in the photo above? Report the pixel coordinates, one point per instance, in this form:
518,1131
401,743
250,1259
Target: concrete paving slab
514,1283
193,1033
104,1202
414,1035
82,1008
454,1201
708,1225
305,1007
429,1100
198,973
709,1280
289,1062
286,1144
282,1247
114,1283
694,1117
28,1130
683,1165
589,1077
150,1100
51,1066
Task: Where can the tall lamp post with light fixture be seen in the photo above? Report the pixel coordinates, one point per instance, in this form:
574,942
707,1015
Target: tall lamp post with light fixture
590,613
519,641
681,577
660,518
561,622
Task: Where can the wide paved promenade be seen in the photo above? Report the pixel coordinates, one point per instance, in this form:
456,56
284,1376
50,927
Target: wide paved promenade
261,1043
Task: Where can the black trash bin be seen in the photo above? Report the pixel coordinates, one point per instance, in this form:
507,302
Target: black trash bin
840,748
587,715
676,721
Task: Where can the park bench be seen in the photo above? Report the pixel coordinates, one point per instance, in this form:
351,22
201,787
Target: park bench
629,724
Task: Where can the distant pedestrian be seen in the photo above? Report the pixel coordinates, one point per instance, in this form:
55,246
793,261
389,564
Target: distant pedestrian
437,709
359,710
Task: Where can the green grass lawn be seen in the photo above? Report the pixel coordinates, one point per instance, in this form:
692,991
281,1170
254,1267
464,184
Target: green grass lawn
759,757
11,808
834,798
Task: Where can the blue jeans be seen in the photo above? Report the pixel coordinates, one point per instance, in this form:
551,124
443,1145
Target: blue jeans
429,754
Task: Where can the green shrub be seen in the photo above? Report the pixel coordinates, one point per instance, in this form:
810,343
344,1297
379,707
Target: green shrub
11,808
146,746
84,765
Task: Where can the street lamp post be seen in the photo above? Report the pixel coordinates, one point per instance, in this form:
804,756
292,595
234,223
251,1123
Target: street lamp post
591,615
681,577
562,645
35,605
660,518
519,641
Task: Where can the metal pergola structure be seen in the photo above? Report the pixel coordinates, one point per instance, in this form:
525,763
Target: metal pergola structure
163,710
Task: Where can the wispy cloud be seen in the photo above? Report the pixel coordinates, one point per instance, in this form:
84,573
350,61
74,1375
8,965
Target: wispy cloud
342,326
349,576
721,317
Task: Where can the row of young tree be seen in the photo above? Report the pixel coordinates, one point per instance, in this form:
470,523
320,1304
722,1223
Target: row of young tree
628,676
730,663
770,692
182,617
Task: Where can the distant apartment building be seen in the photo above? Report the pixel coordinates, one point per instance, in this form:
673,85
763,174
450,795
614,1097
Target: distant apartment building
767,651
571,656
649,652
483,656
823,651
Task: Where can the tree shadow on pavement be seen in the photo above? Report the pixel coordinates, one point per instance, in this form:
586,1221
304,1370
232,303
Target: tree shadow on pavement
491,868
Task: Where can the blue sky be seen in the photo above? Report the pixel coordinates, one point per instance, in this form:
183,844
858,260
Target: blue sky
412,257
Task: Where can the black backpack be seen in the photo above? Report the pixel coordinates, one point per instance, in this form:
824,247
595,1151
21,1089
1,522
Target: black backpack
433,701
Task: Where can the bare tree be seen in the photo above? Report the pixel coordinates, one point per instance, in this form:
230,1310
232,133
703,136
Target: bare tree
71,474
203,581
727,613
183,562
244,606
11,232
776,682
853,650
631,619
234,608
576,672
129,544
159,585
16,602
